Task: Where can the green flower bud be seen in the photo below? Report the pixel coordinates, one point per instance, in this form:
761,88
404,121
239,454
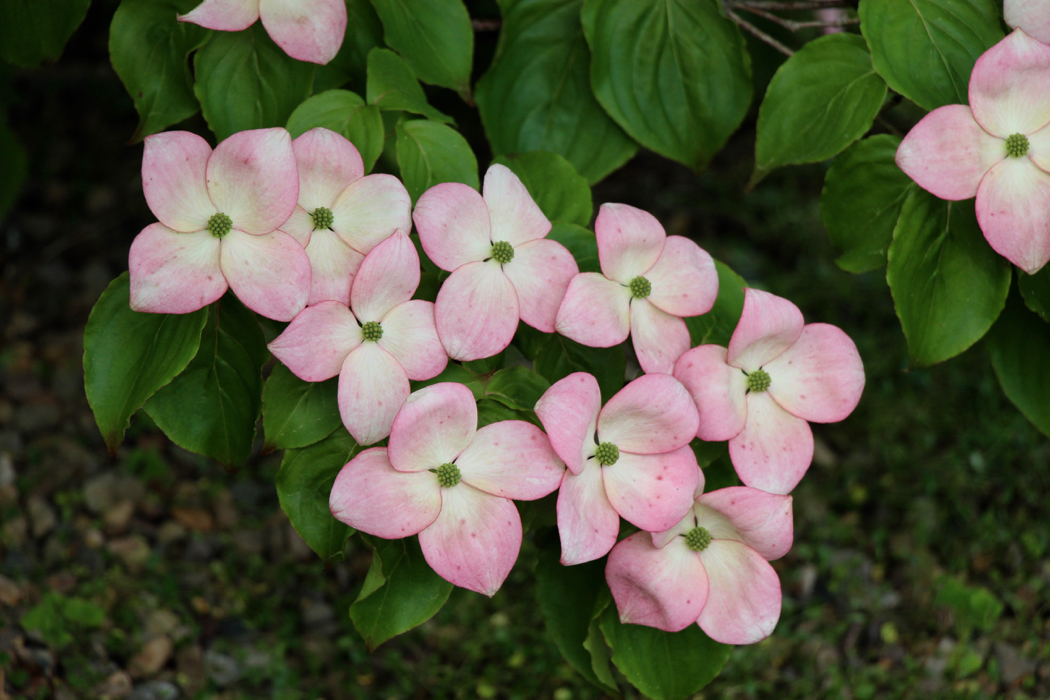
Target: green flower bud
641,287
323,218
448,475
372,331
1017,145
607,454
697,539
758,381
219,225
503,252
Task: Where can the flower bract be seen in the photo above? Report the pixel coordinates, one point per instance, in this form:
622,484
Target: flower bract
1033,16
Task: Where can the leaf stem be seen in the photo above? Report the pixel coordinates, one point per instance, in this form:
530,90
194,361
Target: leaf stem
761,35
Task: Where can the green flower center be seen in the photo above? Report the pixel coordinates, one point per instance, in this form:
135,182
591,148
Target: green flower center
641,287
697,539
607,454
448,475
758,381
1017,145
372,331
322,217
503,252
219,225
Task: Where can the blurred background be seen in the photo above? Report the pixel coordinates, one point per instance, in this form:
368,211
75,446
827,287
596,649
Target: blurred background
921,565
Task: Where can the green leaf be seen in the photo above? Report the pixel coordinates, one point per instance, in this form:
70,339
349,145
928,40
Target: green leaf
304,484
1019,344
580,242
561,193
434,36
864,191
429,153
34,31
675,74
925,49
559,357
1036,291
211,408
971,606
517,387
343,112
393,86
708,452
663,665
364,32
149,49
821,100
245,81
493,411
487,365
297,413
948,285
455,373
129,355
15,169
409,595
536,95
717,325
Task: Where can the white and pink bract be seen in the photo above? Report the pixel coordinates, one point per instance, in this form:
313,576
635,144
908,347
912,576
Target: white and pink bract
1033,16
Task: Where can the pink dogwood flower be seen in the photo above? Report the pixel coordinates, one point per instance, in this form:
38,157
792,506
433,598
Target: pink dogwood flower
452,483
342,213
307,30
649,281
997,149
219,213
1033,16
503,268
384,339
712,568
776,375
631,458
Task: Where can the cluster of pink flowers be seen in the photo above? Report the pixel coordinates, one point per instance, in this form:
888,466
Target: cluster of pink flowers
300,234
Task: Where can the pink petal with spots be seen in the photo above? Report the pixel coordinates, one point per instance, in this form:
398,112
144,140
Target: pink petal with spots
373,497
224,15
333,267
475,540
372,387
718,391
252,178
327,164
512,459
762,521
568,411
1010,86
1013,210
652,492
775,448
820,378
370,210
768,326
587,522
743,600
174,273
476,311
173,171
513,215
1030,15
316,342
540,272
388,276
452,220
307,30
684,279
433,427
659,338
595,311
629,241
947,153
409,334
652,414
270,273
662,588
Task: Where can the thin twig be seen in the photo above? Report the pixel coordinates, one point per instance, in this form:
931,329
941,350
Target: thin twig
780,5
793,26
486,25
750,28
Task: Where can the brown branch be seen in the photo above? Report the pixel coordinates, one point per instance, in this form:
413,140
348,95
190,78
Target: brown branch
761,35
793,26
486,25
788,5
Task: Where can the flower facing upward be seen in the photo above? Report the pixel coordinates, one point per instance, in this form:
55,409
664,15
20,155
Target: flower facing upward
307,30
451,482
1033,16
776,375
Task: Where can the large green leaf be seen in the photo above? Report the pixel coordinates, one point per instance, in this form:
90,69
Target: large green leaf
821,100
948,285
129,355
663,665
517,387
297,413
561,193
864,191
149,49
1019,344
364,32
536,95
429,153
559,357
304,484
393,86
1036,291
580,242
675,74
925,49
434,36
245,81
13,173
717,325
400,591
34,31
345,113
211,408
